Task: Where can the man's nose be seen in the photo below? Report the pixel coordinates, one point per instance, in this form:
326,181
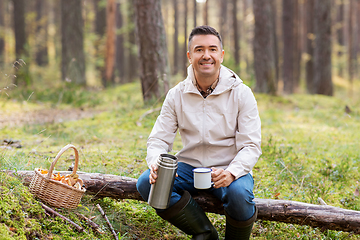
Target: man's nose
206,54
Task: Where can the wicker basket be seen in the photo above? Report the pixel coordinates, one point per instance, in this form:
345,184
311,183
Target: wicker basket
54,192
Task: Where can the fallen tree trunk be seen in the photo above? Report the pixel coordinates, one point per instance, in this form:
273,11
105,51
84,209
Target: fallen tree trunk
322,216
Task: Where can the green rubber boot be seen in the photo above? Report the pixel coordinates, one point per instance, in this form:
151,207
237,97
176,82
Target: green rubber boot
239,230
189,217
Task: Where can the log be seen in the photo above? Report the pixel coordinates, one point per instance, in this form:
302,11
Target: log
321,216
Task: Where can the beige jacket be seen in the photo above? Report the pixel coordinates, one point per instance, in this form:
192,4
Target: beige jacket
222,130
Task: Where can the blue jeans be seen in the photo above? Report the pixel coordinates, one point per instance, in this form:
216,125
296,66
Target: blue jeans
237,198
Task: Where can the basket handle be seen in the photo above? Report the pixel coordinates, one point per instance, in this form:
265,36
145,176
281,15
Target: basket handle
48,176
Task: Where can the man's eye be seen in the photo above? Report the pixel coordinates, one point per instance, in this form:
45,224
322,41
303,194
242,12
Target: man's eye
198,50
213,49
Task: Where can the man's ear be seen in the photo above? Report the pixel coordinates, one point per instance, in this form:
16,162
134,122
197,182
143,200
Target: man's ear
222,56
188,55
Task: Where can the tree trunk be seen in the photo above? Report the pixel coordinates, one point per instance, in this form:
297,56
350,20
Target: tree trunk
99,41
110,43
72,53
176,36
237,39
246,40
351,42
2,34
120,56
133,64
340,37
152,47
322,51
296,51
41,55
205,12
323,216
289,46
21,65
275,37
185,59
223,19
310,44
263,48
195,13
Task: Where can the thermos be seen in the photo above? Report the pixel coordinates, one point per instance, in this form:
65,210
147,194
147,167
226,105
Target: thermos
160,191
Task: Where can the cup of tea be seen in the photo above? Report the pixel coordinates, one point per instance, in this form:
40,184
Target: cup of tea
202,178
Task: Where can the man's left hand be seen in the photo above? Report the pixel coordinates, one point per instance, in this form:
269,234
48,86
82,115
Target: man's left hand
221,177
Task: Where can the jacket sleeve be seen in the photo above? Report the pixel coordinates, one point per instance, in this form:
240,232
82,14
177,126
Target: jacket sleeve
247,136
164,131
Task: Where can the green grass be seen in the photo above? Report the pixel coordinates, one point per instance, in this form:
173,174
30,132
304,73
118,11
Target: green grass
310,150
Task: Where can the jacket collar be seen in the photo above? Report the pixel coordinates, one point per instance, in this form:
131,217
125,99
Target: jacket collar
227,80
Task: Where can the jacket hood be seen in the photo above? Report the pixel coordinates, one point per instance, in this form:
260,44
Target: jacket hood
227,80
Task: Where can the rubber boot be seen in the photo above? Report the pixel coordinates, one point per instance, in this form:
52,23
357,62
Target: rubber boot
189,217
239,230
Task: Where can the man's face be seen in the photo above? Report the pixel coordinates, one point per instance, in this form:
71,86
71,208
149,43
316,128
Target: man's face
206,55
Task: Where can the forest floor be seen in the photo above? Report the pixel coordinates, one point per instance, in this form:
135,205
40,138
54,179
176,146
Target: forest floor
310,150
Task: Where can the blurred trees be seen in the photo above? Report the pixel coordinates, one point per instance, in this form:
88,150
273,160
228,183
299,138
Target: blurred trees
152,48
2,33
21,48
296,46
72,42
264,56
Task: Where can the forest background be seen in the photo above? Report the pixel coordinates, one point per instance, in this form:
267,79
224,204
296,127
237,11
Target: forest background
94,73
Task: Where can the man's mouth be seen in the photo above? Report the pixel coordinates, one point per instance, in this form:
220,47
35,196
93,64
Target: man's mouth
206,64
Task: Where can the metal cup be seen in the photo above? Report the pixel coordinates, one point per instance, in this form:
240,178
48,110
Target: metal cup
160,191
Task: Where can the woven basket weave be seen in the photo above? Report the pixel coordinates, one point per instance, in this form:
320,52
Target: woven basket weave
54,192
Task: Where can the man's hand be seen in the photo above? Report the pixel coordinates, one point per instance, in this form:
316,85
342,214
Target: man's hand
221,177
153,173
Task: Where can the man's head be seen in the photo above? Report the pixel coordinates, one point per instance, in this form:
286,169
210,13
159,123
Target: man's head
204,30
205,53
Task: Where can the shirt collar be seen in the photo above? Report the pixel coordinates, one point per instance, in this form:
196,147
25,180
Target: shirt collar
209,90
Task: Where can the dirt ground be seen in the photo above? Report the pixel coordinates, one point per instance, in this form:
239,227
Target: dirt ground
13,119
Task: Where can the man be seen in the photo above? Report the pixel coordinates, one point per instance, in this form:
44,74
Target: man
217,117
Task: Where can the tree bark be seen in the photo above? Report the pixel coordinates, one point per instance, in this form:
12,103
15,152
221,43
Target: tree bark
2,35
176,36
289,46
152,48
22,55
194,13
237,39
274,7
120,56
296,50
41,57
351,42
132,58
205,12
340,36
264,61
110,43
72,53
310,44
223,19
322,51
100,28
185,59
322,216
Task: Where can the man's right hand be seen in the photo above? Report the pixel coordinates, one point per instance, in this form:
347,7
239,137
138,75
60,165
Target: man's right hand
153,173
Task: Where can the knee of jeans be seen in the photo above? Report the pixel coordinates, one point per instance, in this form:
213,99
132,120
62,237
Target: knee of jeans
241,196
143,185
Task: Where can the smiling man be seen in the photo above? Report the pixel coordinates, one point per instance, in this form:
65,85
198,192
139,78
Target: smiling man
218,120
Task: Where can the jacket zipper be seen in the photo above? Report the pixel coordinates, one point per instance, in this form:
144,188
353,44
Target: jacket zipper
203,137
